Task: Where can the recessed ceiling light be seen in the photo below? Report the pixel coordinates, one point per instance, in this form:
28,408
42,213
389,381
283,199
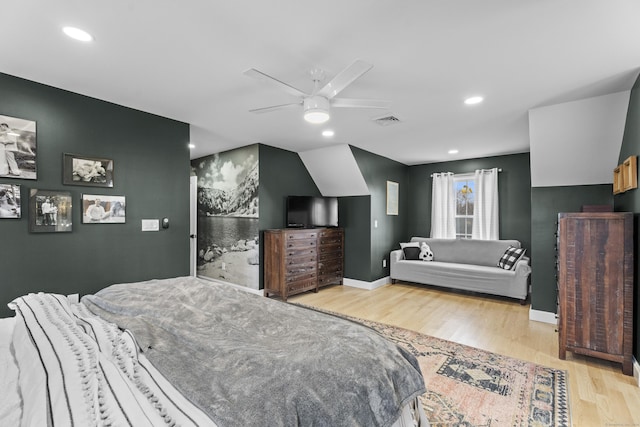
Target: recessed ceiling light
473,100
192,145
328,133
454,151
78,34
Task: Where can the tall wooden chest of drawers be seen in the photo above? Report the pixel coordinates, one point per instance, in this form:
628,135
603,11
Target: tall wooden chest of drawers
300,260
330,256
595,286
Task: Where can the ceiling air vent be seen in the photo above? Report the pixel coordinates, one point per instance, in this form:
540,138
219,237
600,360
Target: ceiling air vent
387,120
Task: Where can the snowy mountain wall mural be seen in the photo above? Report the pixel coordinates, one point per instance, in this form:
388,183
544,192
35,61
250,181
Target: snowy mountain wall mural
228,215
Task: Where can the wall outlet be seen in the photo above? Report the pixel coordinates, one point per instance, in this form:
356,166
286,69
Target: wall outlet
384,263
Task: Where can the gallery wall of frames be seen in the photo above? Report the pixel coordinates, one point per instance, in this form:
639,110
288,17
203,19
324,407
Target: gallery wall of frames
50,210
77,177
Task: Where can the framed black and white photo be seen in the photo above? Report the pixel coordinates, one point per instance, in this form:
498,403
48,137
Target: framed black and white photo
10,201
101,209
49,211
83,170
17,148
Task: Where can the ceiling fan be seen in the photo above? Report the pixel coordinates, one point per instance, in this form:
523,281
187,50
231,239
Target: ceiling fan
317,104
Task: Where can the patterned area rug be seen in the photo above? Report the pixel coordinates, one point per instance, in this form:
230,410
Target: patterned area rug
471,387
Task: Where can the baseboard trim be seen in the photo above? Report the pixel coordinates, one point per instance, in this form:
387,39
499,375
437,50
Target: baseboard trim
366,285
542,316
636,371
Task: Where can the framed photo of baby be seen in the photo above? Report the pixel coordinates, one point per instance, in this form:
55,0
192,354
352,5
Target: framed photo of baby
83,170
17,148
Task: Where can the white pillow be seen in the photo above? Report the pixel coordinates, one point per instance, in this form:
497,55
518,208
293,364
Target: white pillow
425,252
410,245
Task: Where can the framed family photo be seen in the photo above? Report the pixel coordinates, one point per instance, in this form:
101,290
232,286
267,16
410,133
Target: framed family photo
49,211
10,201
83,170
17,148
99,208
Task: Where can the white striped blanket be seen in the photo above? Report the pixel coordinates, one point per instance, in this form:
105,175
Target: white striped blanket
78,370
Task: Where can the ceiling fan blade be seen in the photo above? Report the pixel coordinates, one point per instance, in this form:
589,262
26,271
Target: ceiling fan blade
359,103
274,107
344,78
259,75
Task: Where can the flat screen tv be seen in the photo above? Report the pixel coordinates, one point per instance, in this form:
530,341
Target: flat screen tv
310,211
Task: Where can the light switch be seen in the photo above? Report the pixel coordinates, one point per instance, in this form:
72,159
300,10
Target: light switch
150,225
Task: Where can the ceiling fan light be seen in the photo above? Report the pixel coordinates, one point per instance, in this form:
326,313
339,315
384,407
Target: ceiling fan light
316,109
316,115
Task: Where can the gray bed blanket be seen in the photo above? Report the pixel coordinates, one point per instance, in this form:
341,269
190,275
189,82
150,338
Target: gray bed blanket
250,361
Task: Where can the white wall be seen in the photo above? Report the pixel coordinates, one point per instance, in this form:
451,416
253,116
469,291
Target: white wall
577,143
335,171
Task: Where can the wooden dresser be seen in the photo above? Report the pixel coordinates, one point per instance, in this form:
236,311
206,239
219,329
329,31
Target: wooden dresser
595,286
300,260
330,256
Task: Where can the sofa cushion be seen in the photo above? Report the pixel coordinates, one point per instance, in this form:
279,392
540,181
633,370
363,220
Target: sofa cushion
468,251
510,257
411,252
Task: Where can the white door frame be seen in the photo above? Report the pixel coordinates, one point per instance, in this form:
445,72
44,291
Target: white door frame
193,224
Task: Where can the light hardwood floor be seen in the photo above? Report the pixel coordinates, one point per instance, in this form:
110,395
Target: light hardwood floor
599,393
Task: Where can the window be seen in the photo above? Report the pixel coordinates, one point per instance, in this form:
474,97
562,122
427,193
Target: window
464,186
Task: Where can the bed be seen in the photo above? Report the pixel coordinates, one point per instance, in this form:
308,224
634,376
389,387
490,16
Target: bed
191,352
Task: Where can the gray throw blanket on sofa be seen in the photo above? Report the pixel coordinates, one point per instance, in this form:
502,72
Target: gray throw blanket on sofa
248,361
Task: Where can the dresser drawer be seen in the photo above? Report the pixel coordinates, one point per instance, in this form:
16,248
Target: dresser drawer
335,247
300,243
304,251
326,232
303,259
330,255
297,235
301,286
330,265
329,279
330,240
300,269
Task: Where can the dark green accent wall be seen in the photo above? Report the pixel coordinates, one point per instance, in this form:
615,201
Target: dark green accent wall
151,161
353,214
282,174
629,201
546,203
376,171
514,183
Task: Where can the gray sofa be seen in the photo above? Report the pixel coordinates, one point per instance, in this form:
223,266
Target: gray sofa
466,264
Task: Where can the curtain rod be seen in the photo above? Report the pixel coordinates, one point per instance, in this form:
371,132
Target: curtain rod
468,173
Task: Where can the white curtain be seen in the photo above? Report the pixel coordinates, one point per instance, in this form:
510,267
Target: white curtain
486,224
443,206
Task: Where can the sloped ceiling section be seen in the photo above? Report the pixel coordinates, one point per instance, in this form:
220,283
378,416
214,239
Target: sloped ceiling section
577,143
335,171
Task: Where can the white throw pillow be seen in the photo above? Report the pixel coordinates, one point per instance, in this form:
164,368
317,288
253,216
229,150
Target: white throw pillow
410,245
426,254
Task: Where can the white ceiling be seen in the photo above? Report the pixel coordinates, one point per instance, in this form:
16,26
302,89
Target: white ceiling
185,60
